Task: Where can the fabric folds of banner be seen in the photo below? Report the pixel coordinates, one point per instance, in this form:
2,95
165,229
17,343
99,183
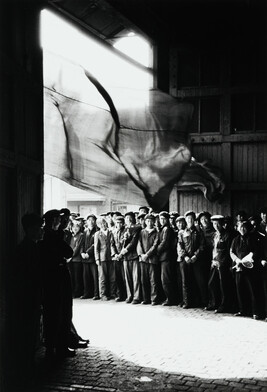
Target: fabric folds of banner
127,144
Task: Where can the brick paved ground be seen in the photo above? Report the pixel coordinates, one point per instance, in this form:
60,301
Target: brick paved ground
145,348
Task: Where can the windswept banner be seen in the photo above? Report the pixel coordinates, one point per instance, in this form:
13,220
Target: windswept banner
127,144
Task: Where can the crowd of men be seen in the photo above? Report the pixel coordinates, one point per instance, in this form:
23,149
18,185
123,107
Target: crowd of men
194,260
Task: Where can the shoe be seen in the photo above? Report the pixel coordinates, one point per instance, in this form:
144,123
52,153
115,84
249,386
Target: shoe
66,353
118,299
238,314
185,306
104,298
96,298
145,303
82,344
84,297
84,340
128,300
255,317
135,302
219,310
265,320
166,303
112,297
154,303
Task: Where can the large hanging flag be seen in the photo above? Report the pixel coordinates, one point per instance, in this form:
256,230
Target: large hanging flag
127,144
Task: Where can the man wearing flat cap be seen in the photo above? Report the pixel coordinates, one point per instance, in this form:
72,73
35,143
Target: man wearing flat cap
166,256
64,228
118,233
88,259
206,227
130,257
147,252
189,248
173,216
219,281
143,210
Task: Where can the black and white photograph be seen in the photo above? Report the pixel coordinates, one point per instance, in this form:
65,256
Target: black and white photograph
133,195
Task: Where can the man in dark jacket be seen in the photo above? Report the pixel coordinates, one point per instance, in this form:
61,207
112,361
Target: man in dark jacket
147,252
57,302
130,257
206,227
88,259
220,277
118,233
165,254
245,246
190,247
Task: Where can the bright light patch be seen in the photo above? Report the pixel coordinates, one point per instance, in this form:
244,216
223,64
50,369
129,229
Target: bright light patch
135,47
63,39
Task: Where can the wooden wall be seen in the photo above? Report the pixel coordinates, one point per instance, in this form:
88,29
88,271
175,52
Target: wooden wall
225,79
21,144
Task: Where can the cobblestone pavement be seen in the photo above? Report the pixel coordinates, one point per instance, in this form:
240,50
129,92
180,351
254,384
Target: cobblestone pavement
145,348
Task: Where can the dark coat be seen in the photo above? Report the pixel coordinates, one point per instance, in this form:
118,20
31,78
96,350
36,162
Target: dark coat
190,243
88,245
77,245
243,245
130,243
147,245
166,238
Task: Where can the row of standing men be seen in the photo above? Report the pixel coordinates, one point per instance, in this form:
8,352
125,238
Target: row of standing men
167,259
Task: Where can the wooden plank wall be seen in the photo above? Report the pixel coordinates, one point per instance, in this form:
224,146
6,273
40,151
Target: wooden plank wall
21,147
249,162
229,125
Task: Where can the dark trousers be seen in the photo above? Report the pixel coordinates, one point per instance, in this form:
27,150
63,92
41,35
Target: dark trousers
120,279
264,281
246,279
76,272
166,279
107,280
57,308
179,284
185,276
201,284
90,273
149,282
194,284
132,279
219,287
